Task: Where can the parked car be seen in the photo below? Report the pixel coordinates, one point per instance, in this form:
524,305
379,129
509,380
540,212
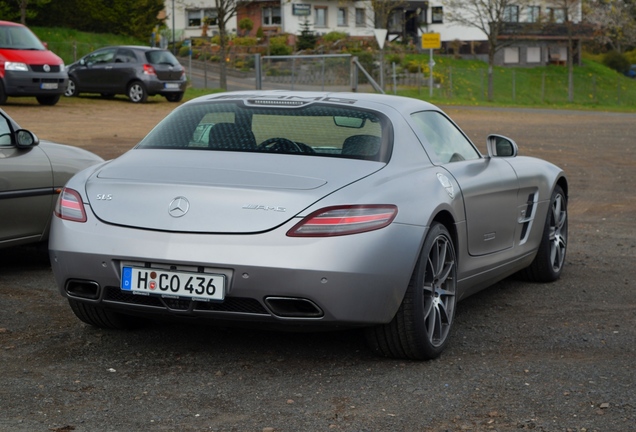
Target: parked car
307,210
27,67
631,72
135,71
32,174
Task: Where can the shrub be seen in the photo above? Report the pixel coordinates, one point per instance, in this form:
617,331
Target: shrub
334,36
246,25
278,45
245,41
617,61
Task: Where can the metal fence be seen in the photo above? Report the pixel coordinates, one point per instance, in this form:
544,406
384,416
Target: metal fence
342,72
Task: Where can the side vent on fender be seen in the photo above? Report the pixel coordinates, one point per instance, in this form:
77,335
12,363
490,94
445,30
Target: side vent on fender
526,216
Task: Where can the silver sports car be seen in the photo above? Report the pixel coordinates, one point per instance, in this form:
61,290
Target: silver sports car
307,210
32,173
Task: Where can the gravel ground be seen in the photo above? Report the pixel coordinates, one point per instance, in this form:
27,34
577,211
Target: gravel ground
555,357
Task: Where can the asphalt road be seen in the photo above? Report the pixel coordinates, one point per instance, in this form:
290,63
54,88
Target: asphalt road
555,357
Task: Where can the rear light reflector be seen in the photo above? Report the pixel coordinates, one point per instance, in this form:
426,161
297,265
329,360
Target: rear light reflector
149,70
69,206
344,220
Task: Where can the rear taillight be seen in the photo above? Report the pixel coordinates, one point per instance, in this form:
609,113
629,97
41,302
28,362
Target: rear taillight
69,206
149,70
344,220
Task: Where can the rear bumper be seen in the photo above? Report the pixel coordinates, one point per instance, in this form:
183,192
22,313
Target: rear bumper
156,87
340,281
34,83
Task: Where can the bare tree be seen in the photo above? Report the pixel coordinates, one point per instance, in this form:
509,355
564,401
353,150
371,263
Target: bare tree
225,10
382,10
489,16
571,13
616,20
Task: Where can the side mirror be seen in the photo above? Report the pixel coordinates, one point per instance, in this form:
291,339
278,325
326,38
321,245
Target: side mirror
25,139
501,146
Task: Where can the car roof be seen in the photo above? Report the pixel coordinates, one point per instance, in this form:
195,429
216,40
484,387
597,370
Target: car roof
11,23
303,98
136,47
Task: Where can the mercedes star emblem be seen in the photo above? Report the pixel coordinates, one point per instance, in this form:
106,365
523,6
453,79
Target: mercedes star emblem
179,206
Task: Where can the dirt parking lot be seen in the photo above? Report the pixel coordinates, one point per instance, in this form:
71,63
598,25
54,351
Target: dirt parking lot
557,357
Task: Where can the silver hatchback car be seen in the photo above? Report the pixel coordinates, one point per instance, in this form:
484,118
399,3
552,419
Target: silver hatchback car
307,210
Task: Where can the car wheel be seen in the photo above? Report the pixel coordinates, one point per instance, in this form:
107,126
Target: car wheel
174,97
48,100
100,317
137,92
3,95
71,88
422,325
548,263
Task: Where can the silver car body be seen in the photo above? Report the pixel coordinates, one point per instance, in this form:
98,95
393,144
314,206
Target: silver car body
31,177
240,207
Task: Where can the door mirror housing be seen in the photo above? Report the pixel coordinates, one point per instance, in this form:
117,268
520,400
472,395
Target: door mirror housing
501,146
25,139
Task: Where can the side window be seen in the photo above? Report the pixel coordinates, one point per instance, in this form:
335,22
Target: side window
5,132
102,56
448,142
125,56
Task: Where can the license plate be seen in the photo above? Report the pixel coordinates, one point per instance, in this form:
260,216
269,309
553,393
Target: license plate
172,85
173,284
48,86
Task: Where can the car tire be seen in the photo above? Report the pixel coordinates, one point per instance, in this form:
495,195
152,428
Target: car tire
422,325
3,95
137,92
548,263
71,88
97,316
48,100
174,97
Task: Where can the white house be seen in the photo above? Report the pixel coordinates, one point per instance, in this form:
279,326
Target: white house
193,18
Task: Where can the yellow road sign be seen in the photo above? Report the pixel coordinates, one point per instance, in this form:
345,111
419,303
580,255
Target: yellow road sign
431,41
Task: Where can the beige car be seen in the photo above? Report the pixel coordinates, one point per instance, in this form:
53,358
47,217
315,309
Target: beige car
32,173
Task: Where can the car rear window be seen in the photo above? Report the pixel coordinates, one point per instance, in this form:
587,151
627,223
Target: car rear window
314,130
161,57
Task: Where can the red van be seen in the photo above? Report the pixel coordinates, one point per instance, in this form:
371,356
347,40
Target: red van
27,67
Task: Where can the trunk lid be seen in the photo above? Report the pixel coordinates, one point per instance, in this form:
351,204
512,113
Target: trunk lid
215,192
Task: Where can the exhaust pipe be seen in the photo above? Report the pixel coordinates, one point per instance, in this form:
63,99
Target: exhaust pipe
289,307
82,288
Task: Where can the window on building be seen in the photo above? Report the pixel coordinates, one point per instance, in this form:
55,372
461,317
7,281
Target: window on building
342,17
511,55
556,15
533,13
511,13
422,16
320,17
361,17
395,21
437,14
211,16
196,17
533,55
271,16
